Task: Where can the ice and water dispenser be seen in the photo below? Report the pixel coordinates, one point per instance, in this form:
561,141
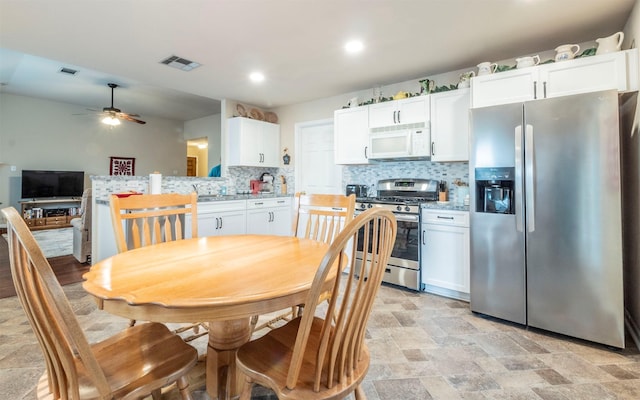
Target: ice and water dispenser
495,190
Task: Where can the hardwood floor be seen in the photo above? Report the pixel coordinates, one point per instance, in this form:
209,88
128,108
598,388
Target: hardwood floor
67,269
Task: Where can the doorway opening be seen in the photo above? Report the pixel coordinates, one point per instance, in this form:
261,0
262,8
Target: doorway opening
197,157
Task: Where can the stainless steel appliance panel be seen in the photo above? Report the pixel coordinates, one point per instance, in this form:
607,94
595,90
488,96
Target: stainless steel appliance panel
574,232
497,246
567,223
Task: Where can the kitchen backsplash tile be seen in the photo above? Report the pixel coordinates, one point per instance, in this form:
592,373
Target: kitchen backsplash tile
371,173
236,179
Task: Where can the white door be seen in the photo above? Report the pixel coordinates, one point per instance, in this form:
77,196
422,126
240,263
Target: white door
316,170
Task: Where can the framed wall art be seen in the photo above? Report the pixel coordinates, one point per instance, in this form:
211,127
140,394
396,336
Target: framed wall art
122,166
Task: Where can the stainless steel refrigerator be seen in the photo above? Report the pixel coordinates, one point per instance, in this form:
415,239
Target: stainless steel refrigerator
546,221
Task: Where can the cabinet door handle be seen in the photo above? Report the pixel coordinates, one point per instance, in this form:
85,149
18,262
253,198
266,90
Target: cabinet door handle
394,117
535,91
439,217
398,116
217,223
544,87
220,222
424,234
365,151
433,148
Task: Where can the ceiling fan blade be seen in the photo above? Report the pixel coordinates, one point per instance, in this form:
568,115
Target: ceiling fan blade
128,114
129,118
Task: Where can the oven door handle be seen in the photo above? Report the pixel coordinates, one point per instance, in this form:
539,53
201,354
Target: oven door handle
407,217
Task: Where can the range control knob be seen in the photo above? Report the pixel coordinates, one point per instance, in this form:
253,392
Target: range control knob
399,208
363,206
406,208
369,205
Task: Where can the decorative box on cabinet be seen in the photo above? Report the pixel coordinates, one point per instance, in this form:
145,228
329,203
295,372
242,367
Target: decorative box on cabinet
252,143
618,70
450,125
351,135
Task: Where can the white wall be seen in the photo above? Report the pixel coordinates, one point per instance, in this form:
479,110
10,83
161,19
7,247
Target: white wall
42,134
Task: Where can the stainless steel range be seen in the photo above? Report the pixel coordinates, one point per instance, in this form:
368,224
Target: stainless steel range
402,197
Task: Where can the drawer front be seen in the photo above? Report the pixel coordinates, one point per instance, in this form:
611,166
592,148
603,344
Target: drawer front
269,203
56,220
39,222
445,217
220,206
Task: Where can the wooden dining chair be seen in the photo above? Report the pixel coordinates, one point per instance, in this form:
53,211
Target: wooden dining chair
132,364
318,217
322,354
146,219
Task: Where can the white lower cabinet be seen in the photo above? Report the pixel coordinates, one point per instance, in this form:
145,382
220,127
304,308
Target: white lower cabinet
269,216
220,218
445,253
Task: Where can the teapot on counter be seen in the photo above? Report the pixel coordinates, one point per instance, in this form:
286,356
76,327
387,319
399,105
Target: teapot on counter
610,43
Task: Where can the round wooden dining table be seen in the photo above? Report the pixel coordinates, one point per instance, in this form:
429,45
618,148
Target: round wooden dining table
223,280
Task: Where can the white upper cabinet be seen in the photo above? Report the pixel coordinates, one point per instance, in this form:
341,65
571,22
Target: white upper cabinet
450,125
399,112
252,143
590,74
618,70
351,135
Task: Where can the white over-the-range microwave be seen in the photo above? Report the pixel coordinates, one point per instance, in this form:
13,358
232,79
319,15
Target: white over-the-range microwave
414,143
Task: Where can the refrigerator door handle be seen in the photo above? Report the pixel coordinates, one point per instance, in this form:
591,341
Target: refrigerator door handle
518,178
529,158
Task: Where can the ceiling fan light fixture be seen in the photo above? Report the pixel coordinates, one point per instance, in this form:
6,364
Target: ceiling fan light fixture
111,121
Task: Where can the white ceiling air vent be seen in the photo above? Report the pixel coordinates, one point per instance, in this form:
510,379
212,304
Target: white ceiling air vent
68,71
180,63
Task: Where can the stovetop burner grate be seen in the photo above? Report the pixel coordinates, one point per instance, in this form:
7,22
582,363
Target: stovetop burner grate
401,200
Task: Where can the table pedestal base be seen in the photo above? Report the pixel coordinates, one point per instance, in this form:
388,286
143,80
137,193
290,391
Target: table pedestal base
225,337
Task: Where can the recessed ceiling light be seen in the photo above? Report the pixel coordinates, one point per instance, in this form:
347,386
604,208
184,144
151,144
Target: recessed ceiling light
256,77
354,46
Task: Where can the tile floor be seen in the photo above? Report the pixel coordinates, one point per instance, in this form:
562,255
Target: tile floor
422,346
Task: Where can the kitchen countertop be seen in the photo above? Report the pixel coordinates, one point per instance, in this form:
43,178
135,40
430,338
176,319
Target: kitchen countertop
211,197
450,206
207,198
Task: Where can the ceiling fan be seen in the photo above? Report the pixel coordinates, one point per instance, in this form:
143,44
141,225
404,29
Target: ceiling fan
114,115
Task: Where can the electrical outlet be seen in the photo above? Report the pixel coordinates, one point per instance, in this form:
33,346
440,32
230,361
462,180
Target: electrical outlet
13,168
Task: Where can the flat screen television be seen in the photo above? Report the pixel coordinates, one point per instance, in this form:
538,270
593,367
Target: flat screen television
51,184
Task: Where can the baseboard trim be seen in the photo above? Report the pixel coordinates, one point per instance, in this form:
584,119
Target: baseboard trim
634,329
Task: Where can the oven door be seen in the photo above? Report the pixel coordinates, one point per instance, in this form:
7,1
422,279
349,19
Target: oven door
403,268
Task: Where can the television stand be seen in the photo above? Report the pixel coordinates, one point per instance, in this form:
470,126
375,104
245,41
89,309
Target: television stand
50,213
